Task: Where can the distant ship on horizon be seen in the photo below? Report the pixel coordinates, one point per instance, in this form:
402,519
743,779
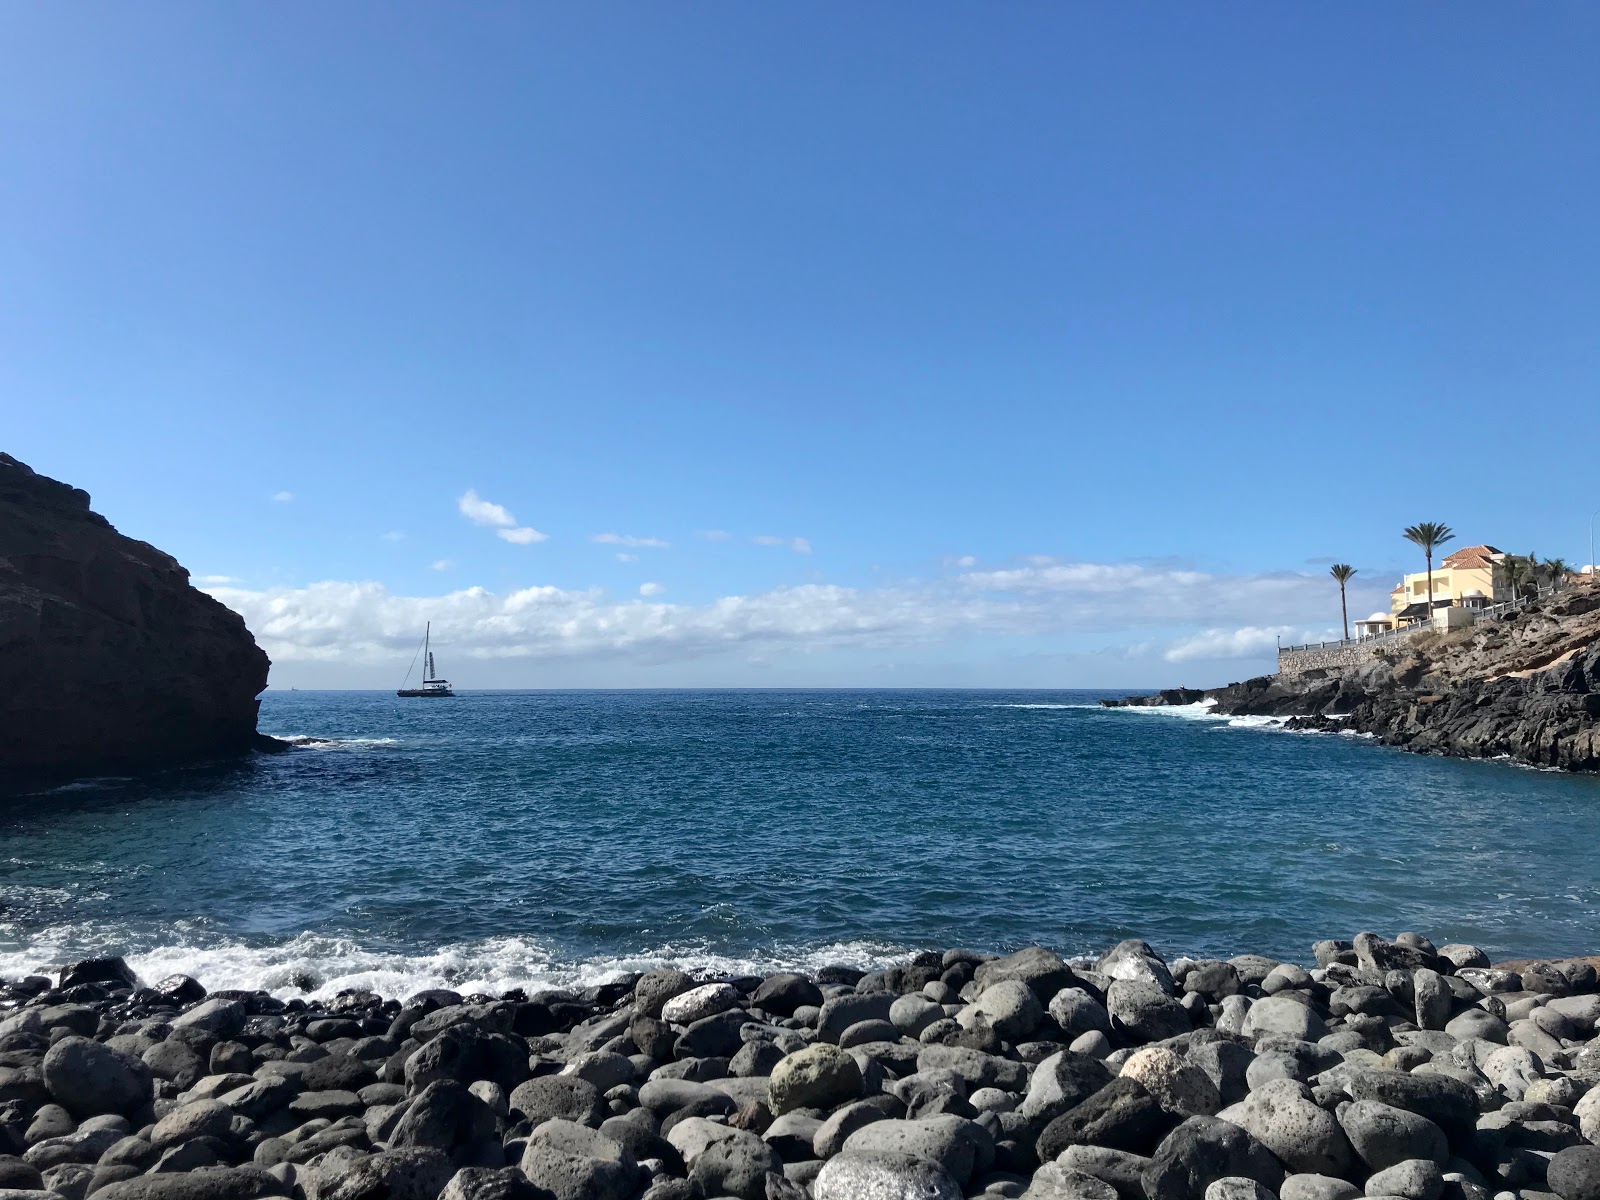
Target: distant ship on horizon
432,686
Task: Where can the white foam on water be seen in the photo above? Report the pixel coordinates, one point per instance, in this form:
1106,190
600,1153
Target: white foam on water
1044,706
317,966
308,741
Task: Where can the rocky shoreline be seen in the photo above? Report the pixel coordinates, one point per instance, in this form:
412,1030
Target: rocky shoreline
1389,1069
1524,688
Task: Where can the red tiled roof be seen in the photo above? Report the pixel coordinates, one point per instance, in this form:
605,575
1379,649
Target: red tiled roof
1471,556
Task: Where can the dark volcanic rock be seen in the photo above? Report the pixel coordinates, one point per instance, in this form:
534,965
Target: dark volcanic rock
108,657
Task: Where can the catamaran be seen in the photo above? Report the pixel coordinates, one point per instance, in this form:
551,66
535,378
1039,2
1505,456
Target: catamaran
431,685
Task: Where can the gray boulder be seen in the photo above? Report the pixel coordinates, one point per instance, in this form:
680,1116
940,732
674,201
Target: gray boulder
1414,1179
1061,1082
735,1166
574,1162
1201,1151
87,1078
841,1012
1123,1115
205,1183
1078,1013
1043,971
1142,1011
696,1004
1120,1169
1232,1187
820,1076
955,1145
1283,1118
548,1097
1007,1006
1384,1135
1574,1173
1053,1181
1285,1015
489,1183
415,1173
1317,1187
1135,961
877,1176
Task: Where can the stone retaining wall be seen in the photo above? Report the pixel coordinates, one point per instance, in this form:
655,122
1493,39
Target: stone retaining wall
1333,660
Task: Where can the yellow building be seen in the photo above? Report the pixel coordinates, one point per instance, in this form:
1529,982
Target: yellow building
1472,577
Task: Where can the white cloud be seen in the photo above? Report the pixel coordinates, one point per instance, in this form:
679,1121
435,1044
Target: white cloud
963,561
622,539
626,557
481,512
1039,560
799,545
1248,642
1117,604
215,580
442,564
651,589
715,535
496,516
522,535
282,497
394,535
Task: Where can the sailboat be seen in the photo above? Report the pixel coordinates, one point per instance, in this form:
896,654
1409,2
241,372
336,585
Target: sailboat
431,686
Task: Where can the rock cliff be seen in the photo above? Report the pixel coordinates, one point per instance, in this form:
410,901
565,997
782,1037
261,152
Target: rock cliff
1525,686
109,659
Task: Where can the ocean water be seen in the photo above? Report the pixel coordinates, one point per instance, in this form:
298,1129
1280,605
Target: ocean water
544,838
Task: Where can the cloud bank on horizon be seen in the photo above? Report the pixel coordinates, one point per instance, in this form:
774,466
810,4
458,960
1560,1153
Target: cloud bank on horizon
1164,614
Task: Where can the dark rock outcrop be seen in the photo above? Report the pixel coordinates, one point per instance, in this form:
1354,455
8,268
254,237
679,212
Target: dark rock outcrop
109,659
1524,687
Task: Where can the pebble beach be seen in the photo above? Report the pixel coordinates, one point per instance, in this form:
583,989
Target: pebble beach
1377,1068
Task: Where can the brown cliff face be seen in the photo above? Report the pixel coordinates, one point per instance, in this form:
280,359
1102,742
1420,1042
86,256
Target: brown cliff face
109,659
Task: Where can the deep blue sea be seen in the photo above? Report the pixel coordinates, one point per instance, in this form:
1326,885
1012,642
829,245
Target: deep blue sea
526,838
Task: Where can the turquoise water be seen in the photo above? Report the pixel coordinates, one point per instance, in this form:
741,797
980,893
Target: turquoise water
511,838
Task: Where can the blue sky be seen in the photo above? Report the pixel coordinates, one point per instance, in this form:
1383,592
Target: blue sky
1072,341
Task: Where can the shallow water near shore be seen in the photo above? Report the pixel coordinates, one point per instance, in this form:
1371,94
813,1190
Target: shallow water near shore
538,838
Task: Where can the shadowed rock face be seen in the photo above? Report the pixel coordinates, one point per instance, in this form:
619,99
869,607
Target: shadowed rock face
108,657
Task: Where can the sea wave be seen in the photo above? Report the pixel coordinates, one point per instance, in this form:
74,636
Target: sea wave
319,966
314,742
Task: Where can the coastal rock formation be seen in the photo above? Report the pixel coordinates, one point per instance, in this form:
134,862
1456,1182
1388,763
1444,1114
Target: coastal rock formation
109,659
1389,1068
1525,686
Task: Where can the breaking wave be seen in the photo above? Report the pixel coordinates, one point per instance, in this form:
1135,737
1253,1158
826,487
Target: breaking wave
318,966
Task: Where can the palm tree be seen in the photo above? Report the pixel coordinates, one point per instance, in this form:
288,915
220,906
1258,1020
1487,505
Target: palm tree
1430,535
1514,568
1342,572
1558,569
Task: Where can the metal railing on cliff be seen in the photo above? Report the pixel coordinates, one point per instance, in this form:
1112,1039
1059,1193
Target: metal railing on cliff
1395,635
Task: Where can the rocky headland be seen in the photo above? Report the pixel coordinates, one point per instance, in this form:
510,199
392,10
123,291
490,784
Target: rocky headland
1523,686
109,658
1386,1069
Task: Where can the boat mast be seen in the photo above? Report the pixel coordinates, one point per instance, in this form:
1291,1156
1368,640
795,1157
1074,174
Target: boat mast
427,654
